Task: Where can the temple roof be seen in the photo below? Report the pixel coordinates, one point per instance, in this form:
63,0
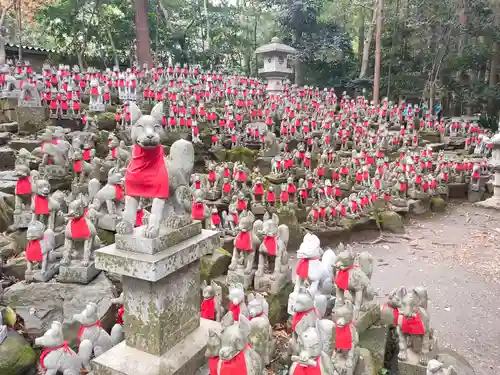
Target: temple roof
275,46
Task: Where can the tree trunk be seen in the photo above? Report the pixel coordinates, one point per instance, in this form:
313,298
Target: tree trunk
378,52
361,34
113,47
2,50
205,9
299,74
494,62
142,33
368,41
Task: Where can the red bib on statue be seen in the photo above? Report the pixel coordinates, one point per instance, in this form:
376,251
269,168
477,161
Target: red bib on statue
79,228
235,310
308,370
413,326
147,175
41,205
303,268
23,185
208,308
244,241
270,244
235,366
34,251
343,337
212,365
342,279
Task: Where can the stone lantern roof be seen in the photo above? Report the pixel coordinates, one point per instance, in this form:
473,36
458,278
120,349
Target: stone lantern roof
275,47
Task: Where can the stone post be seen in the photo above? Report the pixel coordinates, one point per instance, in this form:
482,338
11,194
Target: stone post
494,201
161,284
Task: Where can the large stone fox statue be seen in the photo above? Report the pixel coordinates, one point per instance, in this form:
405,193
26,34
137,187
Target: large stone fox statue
152,175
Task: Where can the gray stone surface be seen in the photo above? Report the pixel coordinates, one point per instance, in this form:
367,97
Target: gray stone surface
10,127
185,358
39,304
365,364
7,158
391,221
168,237
157,266
17,357
77,273
28,144
418,207
31,119
369,315
4,138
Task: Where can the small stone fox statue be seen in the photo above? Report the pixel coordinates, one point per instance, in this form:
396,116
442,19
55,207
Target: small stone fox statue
312,355
353,273
237,306
246,242
57,357
90,329
236,356
260,329
40,243
211,304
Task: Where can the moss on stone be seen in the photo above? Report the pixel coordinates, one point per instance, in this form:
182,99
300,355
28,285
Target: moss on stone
374,340
105,116
214,265
438,204
17,357
391,221
278,305
242,154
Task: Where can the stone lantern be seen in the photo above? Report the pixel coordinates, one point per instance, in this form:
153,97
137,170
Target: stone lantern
276,66
494,201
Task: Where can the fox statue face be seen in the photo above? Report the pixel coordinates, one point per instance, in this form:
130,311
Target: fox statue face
303,301
236,293
410,304
147,132
310,247
256,304
246,221
43,187
270,225
309,344
234,339
343,314
22,170
76,208
345,258
35,231
209,291
115,177
213,344
87,316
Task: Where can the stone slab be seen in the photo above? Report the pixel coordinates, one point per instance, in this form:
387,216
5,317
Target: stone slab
22,219
239,276
369,315
77,273
492,202
108,222
154,267
7,158
168,237
266,284
185,358
37,276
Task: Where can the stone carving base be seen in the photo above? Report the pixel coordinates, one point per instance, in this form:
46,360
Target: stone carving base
369,315
22,219
77,273
108,222
239,276
136,242
183,359
412,366
36,275
258,209
264,283
54,171
340,367
213,195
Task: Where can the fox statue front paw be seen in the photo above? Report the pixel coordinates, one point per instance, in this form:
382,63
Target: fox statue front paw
124,227
151,231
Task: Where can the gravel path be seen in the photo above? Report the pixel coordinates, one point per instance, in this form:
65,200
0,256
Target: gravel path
456,256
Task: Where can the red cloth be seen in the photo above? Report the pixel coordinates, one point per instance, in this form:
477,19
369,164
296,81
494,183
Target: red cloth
23,185
308,370
244,241
227,187
413,326
119,316
118,192
47,351
82,328
242,205
271,197
138,218
270,244
256,316
79,228
297,317
258,189
215,218
212,365
211,176
303,268
113,153
41,205
291,189
235,366
77,166
235,310
342,279
86,154
208,308
343,337
34,251
147,175
284,196
197,211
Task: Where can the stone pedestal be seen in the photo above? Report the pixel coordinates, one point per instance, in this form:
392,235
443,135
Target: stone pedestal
494,201
239,276
271,283
22,219
76,272
37,276
161,286
108,222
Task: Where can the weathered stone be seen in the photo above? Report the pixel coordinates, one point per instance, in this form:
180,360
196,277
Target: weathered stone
185,358
215,264
278,305
391,221
289,218
31,119
417,206
17,357
167,238
4,138
369,315
451,358
475,196
39,304
373,340
11,127
457,190
6,210
77,273
7,158
438,204
365,364
28,144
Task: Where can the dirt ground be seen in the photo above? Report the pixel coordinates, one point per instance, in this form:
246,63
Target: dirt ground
456,255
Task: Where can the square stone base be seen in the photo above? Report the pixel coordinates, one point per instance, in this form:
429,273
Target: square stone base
168,237
108,222
492,202
264,283
239,276
185,358
412,366
22,219
36,275
77,273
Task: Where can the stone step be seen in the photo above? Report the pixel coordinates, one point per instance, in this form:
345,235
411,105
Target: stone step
11,127
28,144
4,138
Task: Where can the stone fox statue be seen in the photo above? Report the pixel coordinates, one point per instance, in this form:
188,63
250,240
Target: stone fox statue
246,242
353,273
152,175
274,245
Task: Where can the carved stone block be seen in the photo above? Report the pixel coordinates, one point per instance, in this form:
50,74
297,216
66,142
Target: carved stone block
108,222
77,273
167,238
37,276
265,283
22,219
239,276
213,195
53,171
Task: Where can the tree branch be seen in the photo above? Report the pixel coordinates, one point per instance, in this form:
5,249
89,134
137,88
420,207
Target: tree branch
5,10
